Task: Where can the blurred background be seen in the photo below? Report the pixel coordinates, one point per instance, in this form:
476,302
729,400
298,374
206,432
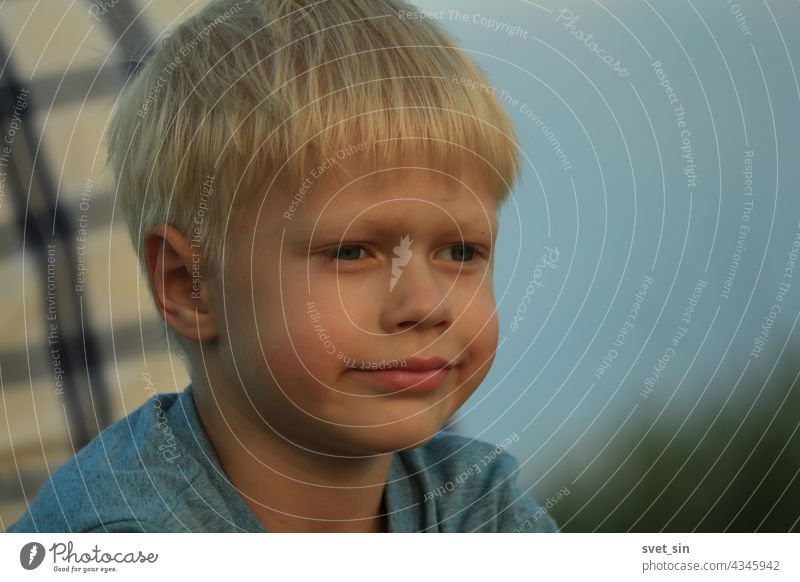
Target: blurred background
647,273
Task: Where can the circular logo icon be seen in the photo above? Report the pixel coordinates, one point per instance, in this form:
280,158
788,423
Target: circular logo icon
31,555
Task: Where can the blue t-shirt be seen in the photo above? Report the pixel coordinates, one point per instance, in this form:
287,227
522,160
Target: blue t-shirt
156,471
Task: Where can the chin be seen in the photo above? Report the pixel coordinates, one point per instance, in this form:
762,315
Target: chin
395,437
381,426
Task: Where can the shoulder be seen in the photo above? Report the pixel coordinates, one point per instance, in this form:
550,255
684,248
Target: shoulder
120,481
473,485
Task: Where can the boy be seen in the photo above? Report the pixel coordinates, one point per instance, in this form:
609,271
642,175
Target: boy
312,189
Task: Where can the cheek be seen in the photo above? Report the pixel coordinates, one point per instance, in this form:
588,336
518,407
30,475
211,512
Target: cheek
487,338
304,340
482,328
351,300
296,324
480,313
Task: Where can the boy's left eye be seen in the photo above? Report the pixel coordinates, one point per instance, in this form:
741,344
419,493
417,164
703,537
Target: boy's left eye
463,253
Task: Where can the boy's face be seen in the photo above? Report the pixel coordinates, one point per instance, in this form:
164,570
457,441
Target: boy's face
361,275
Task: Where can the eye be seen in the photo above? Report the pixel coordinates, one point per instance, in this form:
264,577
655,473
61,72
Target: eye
346,253
463,253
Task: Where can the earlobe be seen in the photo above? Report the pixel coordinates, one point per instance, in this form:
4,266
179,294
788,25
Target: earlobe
179,286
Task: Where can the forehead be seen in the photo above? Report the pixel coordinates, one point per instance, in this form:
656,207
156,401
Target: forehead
349,189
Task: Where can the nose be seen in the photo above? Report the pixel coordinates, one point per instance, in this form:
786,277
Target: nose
416,298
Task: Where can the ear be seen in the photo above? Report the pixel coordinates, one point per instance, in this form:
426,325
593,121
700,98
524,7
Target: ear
180,289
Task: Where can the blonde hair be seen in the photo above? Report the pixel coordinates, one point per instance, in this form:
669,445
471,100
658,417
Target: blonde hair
242,93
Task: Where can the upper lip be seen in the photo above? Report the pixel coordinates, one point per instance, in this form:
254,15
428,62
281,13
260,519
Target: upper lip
424,364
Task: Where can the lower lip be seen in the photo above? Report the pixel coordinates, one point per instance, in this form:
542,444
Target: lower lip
407,381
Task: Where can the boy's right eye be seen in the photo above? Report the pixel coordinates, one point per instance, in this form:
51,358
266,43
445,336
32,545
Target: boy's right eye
344,253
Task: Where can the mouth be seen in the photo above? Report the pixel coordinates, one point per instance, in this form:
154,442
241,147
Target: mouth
417,375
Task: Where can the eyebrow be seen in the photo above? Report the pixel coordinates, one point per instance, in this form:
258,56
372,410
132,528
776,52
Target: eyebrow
388,225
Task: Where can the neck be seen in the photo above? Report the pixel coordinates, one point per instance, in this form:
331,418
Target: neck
290,488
